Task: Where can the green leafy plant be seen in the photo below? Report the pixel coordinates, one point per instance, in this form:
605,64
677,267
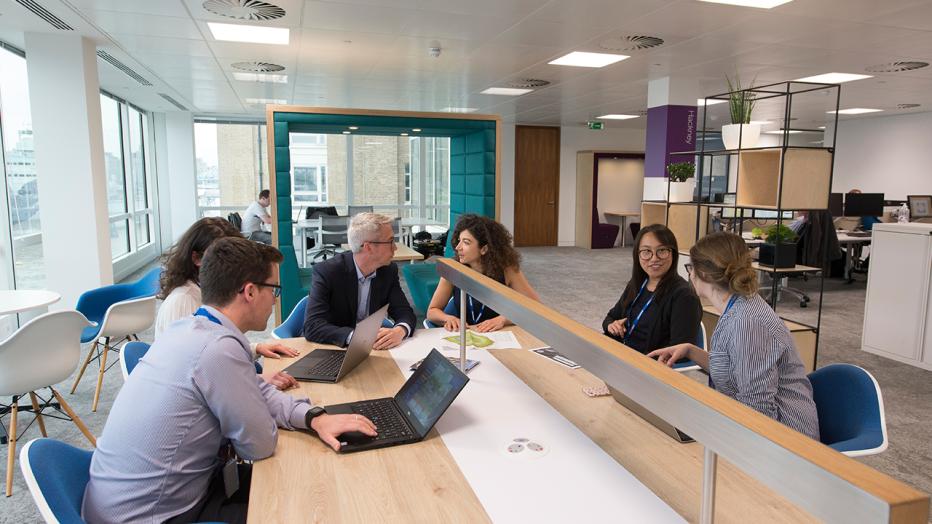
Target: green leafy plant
681,171
757,233
740,100
780,234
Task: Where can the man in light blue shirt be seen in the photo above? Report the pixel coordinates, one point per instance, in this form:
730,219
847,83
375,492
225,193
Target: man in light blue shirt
193,394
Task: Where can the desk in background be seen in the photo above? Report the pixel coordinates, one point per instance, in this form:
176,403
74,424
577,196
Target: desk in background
849,242
623,215
306,481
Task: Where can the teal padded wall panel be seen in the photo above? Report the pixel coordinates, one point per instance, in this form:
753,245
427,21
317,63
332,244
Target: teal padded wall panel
292,292
458,184
283,184
489,164
285,233
489,183
474,163
281,134
475,142
475,185
489,137
457,145
457,205
488,206
457,163
282,159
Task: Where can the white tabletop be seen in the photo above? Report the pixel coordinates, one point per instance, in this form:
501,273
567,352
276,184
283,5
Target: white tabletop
18,300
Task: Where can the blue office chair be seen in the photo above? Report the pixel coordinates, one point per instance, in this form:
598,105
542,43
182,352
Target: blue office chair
687,364
56,474
130,355
293,326
149,283
850,407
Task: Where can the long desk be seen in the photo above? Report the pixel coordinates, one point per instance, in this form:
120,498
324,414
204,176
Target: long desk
844,239
307,482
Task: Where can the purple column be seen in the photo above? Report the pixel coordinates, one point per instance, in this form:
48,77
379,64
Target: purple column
670,129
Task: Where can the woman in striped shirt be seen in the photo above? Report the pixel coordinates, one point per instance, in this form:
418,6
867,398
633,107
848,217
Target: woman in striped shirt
752,358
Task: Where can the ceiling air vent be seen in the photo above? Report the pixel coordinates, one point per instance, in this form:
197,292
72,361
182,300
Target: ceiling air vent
107,57
907,106
173,102
258,67
896,67
527,83
630,43
254,10
44,14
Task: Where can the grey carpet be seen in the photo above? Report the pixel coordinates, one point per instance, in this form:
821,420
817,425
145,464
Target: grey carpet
583,285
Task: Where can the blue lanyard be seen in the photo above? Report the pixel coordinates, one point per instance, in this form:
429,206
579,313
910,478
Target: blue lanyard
731,302
472,311
201,312
637,319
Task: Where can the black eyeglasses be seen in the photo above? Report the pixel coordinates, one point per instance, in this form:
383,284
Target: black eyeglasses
689,268
662,253
392,241
276,289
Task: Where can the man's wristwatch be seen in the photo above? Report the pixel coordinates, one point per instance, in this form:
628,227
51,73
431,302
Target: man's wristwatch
315,411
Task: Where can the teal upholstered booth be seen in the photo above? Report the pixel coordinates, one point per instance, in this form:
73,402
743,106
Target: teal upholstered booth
473,173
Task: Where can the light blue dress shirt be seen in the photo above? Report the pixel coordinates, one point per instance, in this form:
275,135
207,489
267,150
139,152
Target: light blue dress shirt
362,305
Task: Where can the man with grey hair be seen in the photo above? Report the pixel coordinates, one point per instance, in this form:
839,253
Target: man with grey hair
352,285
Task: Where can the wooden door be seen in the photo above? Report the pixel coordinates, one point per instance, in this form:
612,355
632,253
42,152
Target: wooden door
537,185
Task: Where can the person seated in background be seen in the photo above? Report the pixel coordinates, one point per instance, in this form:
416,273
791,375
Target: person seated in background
256,216
752,357
485,246
184,415
181,293
354,284
658,308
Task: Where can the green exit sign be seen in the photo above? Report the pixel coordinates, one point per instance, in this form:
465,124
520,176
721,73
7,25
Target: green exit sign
595,125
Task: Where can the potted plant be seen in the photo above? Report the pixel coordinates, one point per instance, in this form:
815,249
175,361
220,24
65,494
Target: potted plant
779,247
741,133
682,183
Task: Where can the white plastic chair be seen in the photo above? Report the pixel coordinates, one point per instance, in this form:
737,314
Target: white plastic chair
122,322
43,352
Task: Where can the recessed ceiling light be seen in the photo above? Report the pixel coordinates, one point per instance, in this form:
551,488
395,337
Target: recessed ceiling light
353,128
617,117
404,134
711,102
346,132
261,77
278,101
855,111
762,4
416,130
582,59
833,78
459,109
506,91
253,34
780,132
821,127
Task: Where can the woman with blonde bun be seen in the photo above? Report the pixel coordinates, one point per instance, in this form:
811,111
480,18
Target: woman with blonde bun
752,358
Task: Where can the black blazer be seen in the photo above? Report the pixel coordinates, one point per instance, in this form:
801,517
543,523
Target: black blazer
334,297
680,313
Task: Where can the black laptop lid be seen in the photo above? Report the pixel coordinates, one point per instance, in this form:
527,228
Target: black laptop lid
430,391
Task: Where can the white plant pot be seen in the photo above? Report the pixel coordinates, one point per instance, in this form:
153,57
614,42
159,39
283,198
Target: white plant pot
682,191
749,135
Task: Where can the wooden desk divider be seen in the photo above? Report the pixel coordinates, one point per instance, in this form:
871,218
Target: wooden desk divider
822,481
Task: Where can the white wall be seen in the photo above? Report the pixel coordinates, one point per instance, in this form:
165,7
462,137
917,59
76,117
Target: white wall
621,184
180,177
890,155
507,198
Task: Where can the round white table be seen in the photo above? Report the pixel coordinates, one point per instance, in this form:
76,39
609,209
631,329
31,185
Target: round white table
19,300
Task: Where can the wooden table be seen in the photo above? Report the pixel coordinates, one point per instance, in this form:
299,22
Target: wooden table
403,253
305,481
624,220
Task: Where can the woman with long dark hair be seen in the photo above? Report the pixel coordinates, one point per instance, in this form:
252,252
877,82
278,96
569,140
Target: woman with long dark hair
658,308
486,246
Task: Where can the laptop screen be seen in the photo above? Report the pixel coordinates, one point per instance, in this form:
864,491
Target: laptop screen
430,391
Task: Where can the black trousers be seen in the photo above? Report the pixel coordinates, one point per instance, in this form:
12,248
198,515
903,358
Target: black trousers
215,506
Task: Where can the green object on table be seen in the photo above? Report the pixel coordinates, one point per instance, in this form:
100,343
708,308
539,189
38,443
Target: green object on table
472,339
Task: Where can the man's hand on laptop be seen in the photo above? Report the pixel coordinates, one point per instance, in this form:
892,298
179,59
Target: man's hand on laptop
274,349
389,337
280,379
328,427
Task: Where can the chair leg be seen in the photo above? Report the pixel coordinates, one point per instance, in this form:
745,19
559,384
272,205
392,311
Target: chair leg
35,407
11,447
87,361
100,374
74,418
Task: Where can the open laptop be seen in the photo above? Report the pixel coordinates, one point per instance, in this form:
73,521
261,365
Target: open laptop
330,365
652,419
412,412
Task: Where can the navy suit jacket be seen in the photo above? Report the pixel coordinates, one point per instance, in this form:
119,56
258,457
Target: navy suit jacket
334,297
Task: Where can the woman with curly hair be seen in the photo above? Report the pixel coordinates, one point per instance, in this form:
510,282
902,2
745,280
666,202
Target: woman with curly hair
485,246
181,294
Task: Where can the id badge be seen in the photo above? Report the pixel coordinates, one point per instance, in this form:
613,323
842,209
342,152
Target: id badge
230,478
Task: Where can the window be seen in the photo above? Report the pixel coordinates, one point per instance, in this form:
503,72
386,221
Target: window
310,185
132,216
232,164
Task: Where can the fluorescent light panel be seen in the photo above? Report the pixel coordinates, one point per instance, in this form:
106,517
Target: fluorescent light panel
760,4
703,102
506,91
459,109
833,78
616,117
583,59
855,111
252,34
261,77
780,132
266,101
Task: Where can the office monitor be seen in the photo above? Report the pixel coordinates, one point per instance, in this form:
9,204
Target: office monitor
314,212
863,204
836,204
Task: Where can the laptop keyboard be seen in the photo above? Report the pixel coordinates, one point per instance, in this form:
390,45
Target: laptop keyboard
329,365
385,417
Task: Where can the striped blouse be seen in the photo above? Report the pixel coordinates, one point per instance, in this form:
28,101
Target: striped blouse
754,361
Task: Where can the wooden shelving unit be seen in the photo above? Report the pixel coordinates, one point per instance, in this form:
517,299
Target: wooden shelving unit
805,176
